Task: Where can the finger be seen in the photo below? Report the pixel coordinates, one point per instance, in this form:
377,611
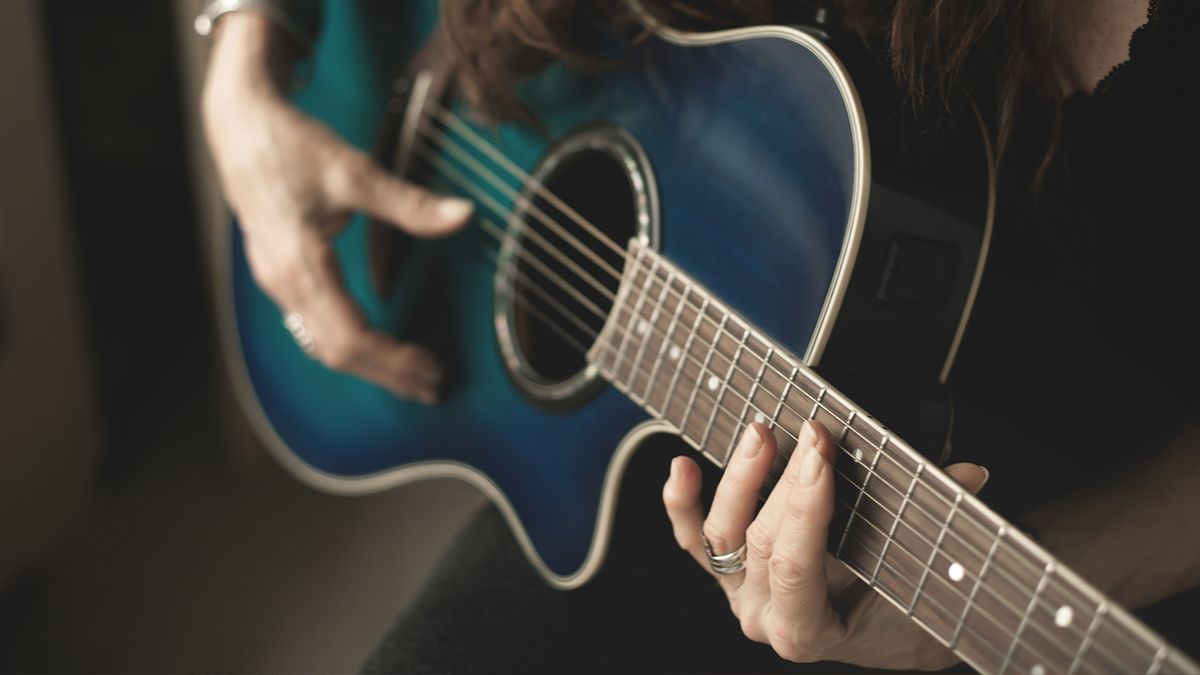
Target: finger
798,581
737,494
760,545
681,496
771,514
344,342
971,476
364,186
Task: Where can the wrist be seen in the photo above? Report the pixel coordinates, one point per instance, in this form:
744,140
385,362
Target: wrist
251,57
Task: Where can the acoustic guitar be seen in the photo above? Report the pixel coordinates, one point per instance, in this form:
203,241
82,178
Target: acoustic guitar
703,235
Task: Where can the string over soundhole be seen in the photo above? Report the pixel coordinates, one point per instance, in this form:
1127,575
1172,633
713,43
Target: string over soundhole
562,258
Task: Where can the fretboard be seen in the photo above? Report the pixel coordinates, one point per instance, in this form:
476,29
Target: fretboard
956,568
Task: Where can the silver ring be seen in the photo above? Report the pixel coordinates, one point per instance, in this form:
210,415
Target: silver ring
300,333
725,563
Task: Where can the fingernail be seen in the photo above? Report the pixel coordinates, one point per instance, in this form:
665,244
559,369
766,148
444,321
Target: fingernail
454,209
751,443
808,436
812,462
674,468
986,476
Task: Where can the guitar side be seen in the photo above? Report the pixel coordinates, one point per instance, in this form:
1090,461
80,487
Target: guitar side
754,136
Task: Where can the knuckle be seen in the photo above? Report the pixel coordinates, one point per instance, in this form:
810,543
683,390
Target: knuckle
789,651
338,352
786,574
798,505
673,500
718,540
282,274
795,643
418,200
735,479
759,543
752,627
346,174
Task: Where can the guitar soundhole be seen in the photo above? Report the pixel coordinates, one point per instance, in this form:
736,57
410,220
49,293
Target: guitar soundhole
561,264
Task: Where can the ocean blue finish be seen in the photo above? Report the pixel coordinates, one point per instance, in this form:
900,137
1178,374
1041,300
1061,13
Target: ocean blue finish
751,147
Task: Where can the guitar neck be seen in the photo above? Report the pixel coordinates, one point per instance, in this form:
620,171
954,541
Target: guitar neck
955,567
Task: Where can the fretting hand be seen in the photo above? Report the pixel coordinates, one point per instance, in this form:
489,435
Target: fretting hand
792,594
294,184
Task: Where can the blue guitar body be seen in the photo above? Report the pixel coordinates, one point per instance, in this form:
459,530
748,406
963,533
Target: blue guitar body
770,181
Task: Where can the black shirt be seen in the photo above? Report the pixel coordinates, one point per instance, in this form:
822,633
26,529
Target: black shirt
1082,353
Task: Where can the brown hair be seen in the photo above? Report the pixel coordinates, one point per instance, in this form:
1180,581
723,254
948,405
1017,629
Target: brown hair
993,52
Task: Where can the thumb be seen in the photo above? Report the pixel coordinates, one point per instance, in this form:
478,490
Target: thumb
409,207
971,476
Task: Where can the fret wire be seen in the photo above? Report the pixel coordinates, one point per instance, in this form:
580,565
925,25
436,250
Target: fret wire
632,315
846,428
783,396
930,600
687,346
746,406
941,537
700,382
858,500
1087,637
953,534
970,516
652,276
962,620
894,596
701,316
663,348
1084,590
1012,647
937,546
895,522
817,406
721,394
928,626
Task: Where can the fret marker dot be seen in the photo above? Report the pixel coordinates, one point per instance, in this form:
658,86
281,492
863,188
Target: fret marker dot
956,572
760,418
673,352
713,382
1064,616
642,327
858,454
1037,669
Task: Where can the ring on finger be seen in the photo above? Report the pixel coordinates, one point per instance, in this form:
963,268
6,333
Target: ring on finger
725,563
300,333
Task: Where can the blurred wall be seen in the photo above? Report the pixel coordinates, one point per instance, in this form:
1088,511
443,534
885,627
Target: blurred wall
49,436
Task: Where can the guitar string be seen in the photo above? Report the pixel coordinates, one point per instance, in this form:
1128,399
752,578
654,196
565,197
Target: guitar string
496,233
450,118
541,215
976,551
512,193
501,211
854,536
